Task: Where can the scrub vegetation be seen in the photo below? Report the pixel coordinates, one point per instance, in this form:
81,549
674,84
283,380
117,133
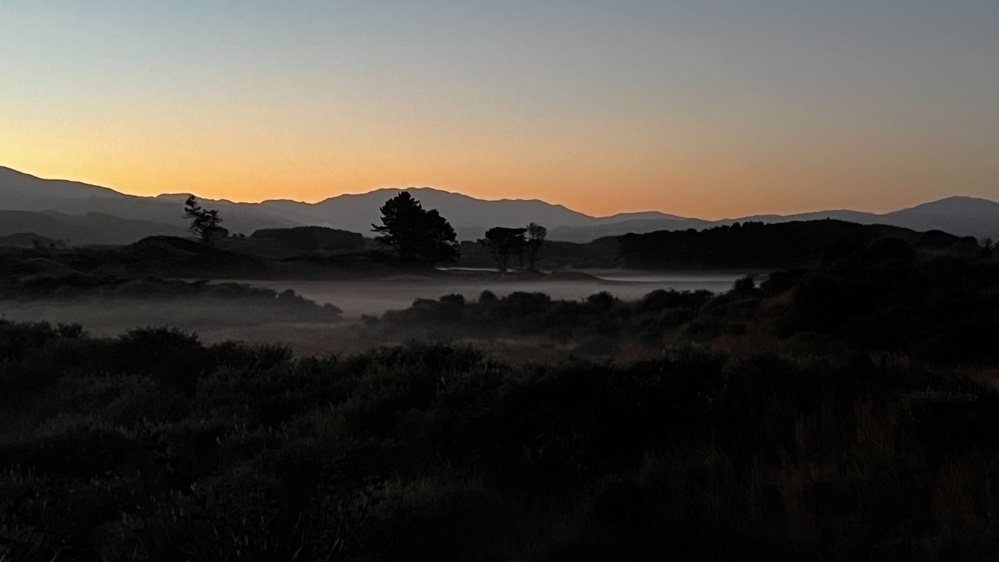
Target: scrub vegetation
846,410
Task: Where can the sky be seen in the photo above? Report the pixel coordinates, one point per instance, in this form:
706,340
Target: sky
708,108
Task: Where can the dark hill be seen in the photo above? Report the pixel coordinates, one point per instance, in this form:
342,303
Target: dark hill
313,238
967,216
28,240
90,228
171,256
758,245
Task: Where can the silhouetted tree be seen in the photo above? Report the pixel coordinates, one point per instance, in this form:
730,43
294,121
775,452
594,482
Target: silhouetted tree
502,242
536,235
415,233
988,246
204,222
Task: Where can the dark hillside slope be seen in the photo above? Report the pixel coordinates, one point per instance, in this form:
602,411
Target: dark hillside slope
170,256
91,228
758,245
968,216
313,238
28,240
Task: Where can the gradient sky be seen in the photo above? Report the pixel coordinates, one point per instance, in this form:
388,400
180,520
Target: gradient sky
710,108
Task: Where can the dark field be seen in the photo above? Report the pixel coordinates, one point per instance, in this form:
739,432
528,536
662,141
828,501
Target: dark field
842,411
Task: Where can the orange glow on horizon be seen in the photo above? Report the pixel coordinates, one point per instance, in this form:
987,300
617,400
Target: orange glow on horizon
312,186
673,107
710,175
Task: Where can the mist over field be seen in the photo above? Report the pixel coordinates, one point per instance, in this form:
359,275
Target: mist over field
376,296
218,320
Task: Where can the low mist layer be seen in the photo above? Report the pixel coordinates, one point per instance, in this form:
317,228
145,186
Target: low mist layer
303,314
377,296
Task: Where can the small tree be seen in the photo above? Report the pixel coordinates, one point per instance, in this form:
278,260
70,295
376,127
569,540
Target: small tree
536,235
502,242
204,222
415,233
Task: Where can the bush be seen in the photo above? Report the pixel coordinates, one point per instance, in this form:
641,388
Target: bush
602,301
522,304
661,299
453,300
745,284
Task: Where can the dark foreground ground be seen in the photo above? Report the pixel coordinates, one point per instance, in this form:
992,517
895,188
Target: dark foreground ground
844,411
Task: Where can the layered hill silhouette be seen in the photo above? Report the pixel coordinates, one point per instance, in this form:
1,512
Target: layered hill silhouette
88,214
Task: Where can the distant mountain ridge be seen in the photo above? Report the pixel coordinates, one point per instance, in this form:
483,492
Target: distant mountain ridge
88,214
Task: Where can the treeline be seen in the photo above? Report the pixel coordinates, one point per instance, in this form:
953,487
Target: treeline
755,245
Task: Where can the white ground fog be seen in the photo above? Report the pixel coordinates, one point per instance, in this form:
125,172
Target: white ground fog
377,296
217,320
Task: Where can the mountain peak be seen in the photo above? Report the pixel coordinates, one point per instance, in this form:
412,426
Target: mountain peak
16,185
954,204
961,214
